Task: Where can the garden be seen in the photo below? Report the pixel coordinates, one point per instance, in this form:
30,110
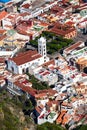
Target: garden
54,43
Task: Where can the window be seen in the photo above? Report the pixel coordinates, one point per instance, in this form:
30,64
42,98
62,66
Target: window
27,70
23,70
12,69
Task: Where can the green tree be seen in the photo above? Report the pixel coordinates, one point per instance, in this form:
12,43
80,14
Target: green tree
81,127
49,126
28,105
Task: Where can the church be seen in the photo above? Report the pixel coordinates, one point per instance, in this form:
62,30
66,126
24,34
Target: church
20,63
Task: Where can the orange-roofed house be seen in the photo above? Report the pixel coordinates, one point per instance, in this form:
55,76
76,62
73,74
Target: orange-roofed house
66,31
3,14
2,35
18,84
66,119
11,20
25,7
60,117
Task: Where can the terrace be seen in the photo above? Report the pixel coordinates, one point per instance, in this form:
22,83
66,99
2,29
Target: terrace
52,115
37,28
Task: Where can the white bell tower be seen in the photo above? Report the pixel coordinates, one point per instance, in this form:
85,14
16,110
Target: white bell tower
42,47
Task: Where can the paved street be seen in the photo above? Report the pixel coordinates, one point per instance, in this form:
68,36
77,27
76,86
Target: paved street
80,37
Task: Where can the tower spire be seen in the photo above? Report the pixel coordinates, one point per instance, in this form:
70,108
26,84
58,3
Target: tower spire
42,47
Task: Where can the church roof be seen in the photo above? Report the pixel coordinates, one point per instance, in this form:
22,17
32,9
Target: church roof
26,57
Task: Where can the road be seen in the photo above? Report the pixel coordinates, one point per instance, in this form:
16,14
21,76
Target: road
80,37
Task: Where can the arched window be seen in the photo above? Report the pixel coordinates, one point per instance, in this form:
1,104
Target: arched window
12,68
27,70
23,70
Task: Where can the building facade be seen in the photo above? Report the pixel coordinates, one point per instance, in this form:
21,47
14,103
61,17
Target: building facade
20,64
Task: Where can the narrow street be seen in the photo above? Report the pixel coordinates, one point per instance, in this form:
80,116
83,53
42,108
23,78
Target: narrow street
80,37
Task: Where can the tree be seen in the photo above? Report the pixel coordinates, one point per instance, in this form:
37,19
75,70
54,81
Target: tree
49,126
59,46
28,105
81,127
64,44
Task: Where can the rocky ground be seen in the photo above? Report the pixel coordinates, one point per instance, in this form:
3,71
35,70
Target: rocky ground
12,116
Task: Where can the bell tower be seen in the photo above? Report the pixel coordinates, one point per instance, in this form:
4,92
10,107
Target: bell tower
42,47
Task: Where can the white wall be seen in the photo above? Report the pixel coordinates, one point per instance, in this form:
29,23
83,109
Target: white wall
11,65
18,69
8,53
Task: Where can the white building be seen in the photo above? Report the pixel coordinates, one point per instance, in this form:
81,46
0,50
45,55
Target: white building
45,75
20,64
10,20
42,48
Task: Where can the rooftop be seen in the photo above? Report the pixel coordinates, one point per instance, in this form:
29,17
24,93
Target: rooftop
3,14
25,57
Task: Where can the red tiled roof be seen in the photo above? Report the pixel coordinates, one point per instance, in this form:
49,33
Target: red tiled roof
46,73
26,88
45,92
50,92
72,47
57,9
61,32
38,109
49,62
2,31
25,57
40,95
26,5
24,14
50,103
62,113
70,23
3,14
2,37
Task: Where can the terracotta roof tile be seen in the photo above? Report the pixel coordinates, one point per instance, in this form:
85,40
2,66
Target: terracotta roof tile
40,95
3,14
72,47
26,5
2,31
26,57
25,86
62,113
